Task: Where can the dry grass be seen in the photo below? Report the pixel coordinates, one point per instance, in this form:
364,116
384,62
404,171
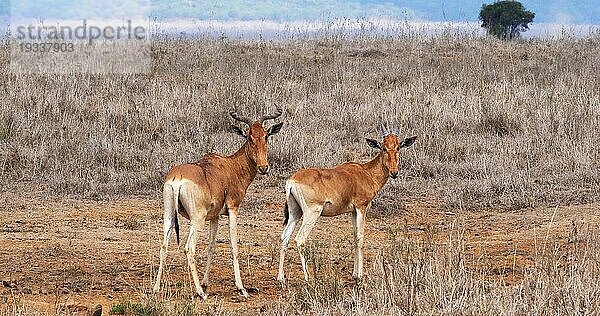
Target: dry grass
501,125
410,278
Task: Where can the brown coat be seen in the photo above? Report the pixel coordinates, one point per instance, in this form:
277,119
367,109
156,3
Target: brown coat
347,188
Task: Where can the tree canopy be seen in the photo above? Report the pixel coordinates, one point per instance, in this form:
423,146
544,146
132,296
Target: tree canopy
505,19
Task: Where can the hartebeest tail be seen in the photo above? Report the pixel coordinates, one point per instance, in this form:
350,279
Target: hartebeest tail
172,210
286,214
347,188
214,186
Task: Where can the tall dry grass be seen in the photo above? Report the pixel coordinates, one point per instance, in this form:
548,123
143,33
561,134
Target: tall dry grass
410,277
500,124
407,276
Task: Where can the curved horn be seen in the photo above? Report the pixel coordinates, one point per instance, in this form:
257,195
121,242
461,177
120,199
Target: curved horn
271,116
236,117
396,129
384,131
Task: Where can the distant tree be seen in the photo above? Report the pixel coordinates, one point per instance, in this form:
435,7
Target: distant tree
505,19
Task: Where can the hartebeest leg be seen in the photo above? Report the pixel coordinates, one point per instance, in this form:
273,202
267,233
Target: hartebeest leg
163,255
214,224
308,223
197,218
294,214
190,251
233,212
169,219
358,219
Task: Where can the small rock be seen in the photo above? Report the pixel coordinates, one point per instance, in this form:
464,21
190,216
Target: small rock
26,291
97,310
238,298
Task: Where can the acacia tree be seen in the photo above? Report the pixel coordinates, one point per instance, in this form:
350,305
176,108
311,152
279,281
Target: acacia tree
505,19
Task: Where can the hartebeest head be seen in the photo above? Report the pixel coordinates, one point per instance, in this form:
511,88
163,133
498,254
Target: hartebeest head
257,137
390,147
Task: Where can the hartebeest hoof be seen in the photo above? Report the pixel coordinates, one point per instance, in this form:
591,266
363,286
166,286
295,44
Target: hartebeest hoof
202,296
358,280
357,277
241,297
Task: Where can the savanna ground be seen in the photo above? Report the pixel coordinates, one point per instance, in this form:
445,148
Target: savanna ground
496,211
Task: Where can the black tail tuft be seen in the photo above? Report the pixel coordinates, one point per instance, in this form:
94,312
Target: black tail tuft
176,205
177,227
286,214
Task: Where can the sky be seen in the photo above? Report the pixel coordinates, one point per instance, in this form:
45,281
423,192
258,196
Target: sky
549,11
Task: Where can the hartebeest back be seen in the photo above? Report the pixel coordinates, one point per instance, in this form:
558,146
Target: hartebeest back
347,188
214,186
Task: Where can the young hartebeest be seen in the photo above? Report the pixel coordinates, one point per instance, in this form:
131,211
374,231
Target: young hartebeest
214,186
347,188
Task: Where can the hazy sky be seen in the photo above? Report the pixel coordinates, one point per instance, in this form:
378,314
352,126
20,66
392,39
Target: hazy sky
550,11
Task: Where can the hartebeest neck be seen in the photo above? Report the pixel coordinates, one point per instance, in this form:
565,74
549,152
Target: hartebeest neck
376,169
245,165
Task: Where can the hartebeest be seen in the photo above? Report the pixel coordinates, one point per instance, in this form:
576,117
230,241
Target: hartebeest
214,186
347,188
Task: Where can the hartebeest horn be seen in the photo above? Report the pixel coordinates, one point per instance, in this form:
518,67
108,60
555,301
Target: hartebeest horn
384,131
271,116
202,190
236,117
396,129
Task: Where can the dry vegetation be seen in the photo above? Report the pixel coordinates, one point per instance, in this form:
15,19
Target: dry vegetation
499,124
502,126
426,278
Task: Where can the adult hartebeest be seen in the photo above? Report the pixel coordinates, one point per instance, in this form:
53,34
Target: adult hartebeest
214,186
347,188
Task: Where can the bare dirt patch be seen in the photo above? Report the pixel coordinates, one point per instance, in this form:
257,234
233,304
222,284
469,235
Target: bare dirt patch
69,254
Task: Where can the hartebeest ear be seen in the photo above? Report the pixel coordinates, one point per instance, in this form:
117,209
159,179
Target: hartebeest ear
238,131
274,129
373,143
408,141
